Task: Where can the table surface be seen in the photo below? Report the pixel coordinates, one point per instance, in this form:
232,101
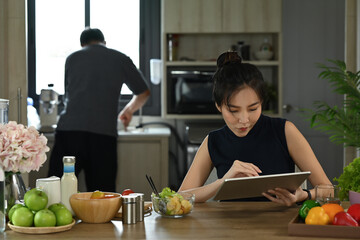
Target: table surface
211,220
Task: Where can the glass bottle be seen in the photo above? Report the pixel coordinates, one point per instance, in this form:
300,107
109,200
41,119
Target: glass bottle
172,47
2,200
69,182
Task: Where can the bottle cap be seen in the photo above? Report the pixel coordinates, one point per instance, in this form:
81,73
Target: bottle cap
69,159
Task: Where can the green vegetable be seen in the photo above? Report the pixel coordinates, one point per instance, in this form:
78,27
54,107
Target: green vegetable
305,208
349,179
167,193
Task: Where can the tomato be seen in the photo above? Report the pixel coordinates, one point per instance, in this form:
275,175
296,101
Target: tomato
127,192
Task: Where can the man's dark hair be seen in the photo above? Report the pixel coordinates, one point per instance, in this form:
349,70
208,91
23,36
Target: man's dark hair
91,34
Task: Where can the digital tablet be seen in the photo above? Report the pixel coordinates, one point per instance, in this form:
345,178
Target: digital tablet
247,187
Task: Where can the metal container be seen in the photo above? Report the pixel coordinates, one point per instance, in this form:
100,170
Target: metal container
4,109
139,206
129,209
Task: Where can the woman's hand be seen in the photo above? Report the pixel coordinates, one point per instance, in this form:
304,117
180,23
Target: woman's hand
242,169
284,197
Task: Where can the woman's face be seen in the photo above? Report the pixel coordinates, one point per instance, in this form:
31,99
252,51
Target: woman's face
243,111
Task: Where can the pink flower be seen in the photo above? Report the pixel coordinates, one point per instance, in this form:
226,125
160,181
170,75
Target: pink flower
21,149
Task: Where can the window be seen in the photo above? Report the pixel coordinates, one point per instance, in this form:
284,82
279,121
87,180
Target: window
54,33
56,37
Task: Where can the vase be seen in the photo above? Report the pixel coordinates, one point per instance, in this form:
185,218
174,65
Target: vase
354,197
15,190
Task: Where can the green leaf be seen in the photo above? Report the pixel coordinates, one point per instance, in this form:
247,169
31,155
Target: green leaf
342,123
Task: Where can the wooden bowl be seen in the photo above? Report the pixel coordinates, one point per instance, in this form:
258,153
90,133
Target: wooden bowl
95,210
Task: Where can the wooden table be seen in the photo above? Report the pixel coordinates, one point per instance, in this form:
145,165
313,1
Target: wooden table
211,220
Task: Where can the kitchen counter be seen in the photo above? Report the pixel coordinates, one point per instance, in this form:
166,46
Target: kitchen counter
154,144
211,220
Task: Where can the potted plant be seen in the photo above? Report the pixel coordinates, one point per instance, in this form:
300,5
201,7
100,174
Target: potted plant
342,123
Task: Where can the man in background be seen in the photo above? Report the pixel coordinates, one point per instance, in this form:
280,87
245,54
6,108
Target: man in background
87,128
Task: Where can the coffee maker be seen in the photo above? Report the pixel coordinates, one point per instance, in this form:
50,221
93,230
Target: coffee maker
48,109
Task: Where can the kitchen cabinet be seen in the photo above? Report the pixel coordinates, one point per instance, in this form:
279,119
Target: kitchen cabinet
213,16
198,39
141,153
192,16
13,62
251,16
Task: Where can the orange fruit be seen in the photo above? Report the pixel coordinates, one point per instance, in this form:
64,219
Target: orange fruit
332,209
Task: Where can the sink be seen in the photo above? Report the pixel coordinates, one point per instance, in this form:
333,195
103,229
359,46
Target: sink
144,131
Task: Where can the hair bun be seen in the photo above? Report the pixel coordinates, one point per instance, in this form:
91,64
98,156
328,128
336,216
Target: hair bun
228,57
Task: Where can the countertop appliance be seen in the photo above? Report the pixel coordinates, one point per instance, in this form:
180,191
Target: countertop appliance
189,90
48,109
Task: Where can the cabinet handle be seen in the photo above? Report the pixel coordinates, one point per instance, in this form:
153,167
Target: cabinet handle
19,104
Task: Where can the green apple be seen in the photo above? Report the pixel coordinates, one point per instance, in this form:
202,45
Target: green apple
36,199
23,217
63,217
44,218
28,193
55,206
12,210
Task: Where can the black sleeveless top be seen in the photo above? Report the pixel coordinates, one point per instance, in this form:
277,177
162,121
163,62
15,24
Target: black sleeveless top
265,146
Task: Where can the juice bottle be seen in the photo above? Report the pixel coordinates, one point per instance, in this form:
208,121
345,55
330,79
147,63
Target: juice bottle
69,182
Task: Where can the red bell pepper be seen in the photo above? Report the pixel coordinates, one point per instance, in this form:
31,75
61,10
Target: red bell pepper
354,211
345,219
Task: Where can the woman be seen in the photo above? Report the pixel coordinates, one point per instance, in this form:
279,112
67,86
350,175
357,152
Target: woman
251,143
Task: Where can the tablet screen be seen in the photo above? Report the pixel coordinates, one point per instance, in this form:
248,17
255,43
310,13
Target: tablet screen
247,187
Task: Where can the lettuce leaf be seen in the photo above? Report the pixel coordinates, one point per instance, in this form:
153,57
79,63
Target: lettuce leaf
349,179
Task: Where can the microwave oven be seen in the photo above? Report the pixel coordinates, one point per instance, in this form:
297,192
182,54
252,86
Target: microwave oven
189,90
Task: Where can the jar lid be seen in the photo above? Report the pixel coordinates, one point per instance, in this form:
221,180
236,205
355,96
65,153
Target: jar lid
49,179
4,103
139,196
69,159
129,199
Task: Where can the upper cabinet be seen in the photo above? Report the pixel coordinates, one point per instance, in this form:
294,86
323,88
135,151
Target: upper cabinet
192,16
251,15
216,16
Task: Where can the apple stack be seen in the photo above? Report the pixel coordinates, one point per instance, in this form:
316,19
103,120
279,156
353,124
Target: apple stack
35,213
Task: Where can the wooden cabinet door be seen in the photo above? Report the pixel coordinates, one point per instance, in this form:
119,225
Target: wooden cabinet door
192,16
251,16
138,157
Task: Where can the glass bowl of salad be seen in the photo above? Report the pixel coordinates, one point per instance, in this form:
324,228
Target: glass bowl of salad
173,204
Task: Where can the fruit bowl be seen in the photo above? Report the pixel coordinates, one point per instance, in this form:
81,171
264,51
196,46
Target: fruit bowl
41,230
174,207
95,210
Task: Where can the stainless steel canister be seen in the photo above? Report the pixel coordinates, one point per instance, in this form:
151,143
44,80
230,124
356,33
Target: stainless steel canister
4,109
129,209
139,206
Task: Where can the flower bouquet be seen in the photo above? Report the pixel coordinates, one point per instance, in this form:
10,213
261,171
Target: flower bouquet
22,150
